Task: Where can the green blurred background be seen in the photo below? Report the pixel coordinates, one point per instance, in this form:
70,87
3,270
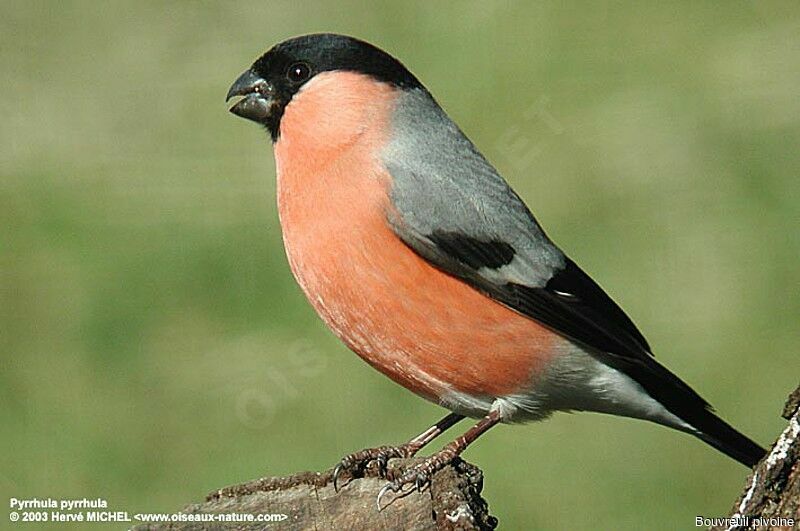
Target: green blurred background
155,347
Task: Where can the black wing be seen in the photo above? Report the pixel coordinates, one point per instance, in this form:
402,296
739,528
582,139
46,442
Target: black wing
573,305
570,303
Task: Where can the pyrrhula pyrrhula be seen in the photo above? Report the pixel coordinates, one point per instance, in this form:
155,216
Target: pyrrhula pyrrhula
421,258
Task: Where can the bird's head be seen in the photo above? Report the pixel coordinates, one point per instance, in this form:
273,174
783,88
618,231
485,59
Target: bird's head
340,66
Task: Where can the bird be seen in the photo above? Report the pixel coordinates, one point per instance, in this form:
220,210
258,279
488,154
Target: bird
422,259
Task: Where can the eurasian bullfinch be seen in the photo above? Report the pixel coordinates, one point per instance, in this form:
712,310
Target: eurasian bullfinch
421,258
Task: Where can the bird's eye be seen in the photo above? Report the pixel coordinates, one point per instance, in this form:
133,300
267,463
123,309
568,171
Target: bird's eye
298,72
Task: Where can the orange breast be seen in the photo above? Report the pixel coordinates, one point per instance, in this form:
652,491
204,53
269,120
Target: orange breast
423,328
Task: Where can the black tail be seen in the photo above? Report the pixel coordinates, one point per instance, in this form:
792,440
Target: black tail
686,404
726,439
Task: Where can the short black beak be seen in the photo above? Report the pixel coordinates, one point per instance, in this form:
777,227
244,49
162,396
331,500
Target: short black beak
258,97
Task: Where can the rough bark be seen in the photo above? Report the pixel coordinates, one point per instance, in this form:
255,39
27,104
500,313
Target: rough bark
308,500
772,491
453,501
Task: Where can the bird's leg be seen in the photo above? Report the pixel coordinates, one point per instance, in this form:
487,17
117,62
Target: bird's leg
355,463
420,475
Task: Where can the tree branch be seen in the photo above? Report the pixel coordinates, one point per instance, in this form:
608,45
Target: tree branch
452,502
771,497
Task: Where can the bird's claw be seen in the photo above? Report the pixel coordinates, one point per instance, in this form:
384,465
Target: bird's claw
391,486
355,463
418,476
336,472
397,488
383,464
421,481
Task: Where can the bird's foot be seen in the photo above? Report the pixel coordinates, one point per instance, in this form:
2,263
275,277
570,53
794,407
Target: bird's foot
418,476
353,465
